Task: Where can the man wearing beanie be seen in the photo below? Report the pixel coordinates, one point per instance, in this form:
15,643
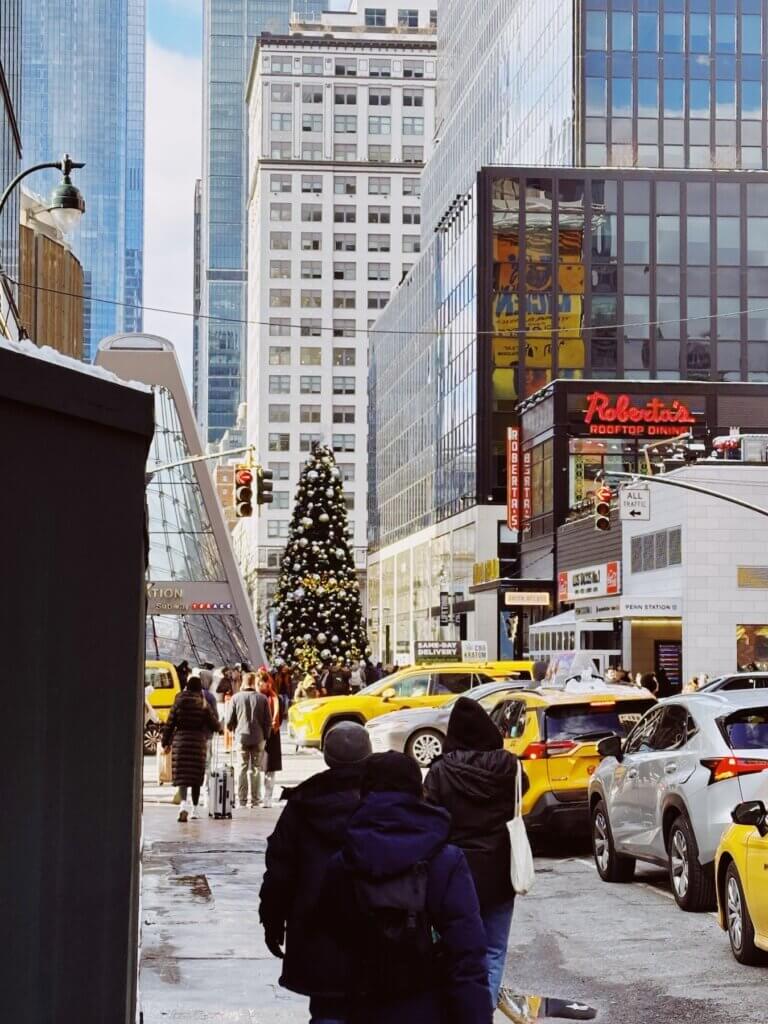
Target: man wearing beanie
474,781
404,908
311,829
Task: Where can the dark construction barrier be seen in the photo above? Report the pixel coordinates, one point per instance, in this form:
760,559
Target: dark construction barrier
73,450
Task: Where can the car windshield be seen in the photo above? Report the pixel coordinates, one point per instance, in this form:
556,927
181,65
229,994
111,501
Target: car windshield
591,721
748,729
158,679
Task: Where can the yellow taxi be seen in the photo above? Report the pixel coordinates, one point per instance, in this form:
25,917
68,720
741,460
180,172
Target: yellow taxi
555,731
741,863
164,680
416,687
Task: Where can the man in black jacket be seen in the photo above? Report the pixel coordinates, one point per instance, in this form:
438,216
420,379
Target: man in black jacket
311,829
474,781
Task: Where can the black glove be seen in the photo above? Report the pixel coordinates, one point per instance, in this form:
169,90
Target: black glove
274,936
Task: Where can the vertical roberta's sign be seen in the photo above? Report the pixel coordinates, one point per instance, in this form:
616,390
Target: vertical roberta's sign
513,478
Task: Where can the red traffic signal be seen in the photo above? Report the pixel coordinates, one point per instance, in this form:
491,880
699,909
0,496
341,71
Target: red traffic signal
603,496
243,492
243,477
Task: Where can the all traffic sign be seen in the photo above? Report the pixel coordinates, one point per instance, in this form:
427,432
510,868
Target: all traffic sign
635,503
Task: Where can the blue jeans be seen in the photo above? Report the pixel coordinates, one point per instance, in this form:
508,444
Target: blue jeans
497,922
327,1011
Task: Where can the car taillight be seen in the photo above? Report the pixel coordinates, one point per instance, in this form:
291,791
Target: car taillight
721,768
535,751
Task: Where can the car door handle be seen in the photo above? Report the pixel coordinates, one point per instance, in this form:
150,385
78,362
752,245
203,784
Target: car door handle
632,773
670,769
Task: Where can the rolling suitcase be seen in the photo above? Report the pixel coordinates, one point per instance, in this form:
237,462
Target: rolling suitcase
221,788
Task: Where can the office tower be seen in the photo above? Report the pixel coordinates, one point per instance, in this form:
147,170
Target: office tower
10,158
83,93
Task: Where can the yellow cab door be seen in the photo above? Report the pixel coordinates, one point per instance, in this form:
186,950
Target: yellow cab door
161,676
756,886
407,690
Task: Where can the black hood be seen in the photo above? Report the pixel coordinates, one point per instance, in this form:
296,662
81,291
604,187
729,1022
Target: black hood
480,775
390,832
470,728
326,801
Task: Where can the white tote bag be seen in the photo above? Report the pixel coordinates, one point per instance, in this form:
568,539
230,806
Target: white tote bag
522,870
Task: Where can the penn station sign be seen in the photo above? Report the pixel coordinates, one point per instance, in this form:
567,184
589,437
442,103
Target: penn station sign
623,416
187,599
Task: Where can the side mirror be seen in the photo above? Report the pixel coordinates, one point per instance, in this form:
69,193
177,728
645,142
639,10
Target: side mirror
611,746
388,694
751,812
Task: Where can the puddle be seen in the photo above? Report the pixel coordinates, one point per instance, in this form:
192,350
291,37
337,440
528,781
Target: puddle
525,1009
198,886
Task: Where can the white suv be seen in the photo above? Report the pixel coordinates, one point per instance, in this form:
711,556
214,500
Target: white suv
666,793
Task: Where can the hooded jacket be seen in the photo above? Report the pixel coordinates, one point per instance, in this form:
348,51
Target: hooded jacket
311,829
387,835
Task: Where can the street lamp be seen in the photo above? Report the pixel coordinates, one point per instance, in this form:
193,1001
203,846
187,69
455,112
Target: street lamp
66,203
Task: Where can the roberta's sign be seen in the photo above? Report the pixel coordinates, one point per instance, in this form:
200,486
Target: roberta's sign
622,415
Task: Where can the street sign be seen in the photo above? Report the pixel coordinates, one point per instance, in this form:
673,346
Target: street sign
635,503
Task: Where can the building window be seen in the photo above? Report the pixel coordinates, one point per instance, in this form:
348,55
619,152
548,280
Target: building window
280,499
379,243
344,386
347,472
310,385
279,268
379,125
411,215
344,214
311,299
344,243
311,242
413,97
279,240
309,413
343,414
408,17
413,126
378,272
277,528
281,470
413,69
343,442
307,440
312,183
279,413
377,300
375,17
345,95
279,327
279,442
281,93
281,122
311,327
345,124
280,150
311,270
279,297
343,328
344,300
379,68
311,212
309,356
312,66
279,384
651,551
379,97
280,183
344,271
379,154
281,65
411,243
378,215
345,186
345,66
413,154
349,501
379,186
344,151
412,186
312,94
279,355
311,151
280,211
343,356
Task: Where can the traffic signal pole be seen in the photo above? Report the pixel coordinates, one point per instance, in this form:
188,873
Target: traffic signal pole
200,458
637,479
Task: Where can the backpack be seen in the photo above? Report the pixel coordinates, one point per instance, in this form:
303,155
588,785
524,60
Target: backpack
396,951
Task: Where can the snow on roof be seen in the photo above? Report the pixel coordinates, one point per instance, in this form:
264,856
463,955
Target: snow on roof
50,355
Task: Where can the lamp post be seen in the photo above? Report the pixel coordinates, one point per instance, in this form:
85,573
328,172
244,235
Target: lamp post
66,203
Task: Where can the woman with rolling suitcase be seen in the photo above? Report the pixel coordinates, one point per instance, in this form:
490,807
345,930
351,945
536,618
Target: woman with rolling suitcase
189,726
273,752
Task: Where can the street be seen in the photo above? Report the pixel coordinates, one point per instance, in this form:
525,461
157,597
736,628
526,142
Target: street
627,950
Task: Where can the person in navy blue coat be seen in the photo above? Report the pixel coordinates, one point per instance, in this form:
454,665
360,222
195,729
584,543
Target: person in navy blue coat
393,839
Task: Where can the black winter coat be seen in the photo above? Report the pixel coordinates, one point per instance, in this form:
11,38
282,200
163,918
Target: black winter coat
477,788
189,725
390,833
308,833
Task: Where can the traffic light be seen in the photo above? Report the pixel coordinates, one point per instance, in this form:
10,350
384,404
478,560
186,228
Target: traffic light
603,508
243,492
264,495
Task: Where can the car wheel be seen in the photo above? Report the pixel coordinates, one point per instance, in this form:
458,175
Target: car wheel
424,746
693,886
152,733
741,931
611,866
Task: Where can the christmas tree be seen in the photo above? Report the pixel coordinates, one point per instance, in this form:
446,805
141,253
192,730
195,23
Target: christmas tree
319,616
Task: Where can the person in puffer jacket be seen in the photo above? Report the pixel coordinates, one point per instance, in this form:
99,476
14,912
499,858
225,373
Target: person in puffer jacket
404,906
474,781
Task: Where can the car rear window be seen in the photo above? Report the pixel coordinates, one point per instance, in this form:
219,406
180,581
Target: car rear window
158,679
591,721
748,729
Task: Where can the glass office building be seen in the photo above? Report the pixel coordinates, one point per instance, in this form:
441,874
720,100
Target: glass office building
10,138
83,93
231,29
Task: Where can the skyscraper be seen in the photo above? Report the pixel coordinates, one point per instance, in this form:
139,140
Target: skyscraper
230,30
10,142
83,93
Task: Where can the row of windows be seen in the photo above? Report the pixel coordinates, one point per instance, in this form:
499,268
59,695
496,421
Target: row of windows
704,98
311,414
280,384
281,499
282,471
407,17
279,529
312,270
282,442
310,327
346,152
280,355
343,67
312,213
704,237
650,33
281,298
343,185
346,124
345,95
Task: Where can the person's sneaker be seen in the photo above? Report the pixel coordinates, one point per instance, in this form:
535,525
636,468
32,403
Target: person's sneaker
182,815
194,815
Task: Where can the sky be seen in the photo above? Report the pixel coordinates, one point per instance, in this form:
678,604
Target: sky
173,162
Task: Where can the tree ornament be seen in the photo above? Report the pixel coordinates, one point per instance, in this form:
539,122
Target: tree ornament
324,517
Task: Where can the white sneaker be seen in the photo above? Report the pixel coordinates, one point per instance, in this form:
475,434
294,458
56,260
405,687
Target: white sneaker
194,815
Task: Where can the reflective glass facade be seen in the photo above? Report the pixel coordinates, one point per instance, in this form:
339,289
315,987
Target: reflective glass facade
83,93
10,139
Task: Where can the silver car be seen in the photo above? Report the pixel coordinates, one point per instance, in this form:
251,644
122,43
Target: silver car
420,732
665,794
